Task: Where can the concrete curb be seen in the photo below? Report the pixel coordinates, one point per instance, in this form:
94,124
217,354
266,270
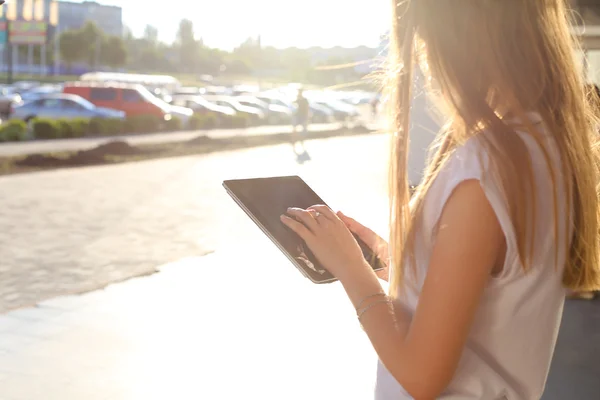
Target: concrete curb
15,149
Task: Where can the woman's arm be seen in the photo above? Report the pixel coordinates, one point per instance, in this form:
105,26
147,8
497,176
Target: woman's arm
421,353
375,242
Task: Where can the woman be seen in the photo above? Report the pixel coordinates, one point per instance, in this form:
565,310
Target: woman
593,92
481,257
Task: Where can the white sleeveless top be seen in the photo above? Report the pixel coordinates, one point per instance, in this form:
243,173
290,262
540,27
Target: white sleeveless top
510,346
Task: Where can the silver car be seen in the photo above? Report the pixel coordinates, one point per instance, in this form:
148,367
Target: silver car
57,106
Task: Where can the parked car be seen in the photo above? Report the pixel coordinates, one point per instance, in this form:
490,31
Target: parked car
342,111
8,99
40,91
255,114
275,99
57,106
183,113
201,106
188,90
318,114
22,86
275,113
132,99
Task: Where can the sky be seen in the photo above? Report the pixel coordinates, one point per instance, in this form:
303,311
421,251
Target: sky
281,23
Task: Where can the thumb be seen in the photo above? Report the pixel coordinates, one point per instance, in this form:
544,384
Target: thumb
352,224
347,220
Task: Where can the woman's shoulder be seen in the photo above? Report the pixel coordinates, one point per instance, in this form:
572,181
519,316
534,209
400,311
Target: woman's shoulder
467,161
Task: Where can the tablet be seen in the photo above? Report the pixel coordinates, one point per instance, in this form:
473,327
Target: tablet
265,199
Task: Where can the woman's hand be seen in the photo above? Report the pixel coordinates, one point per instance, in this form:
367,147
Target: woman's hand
329,239
375,242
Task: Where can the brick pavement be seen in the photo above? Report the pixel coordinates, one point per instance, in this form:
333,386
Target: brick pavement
73,230
226,326
210,328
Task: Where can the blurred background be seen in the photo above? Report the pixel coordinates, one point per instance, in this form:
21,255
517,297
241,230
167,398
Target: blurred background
126,272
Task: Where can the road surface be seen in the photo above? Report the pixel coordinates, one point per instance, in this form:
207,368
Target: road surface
72,230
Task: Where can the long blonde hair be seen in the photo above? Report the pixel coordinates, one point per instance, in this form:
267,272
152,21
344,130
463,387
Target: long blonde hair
488,58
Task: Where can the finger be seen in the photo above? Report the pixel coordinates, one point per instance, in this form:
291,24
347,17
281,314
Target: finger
355,226
299,228
314,214
325,211
350,222
304,216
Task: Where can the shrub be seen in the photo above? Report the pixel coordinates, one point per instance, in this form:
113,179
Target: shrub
65,127
106,126
174,124
211,121
95,127
113,126
79,126
238,121
143,124
13,131
202,121
195,122
46,129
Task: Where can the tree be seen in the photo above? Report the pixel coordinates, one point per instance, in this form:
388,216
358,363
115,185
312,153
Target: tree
185,34
92,38
151,35
114,53
188,47
72,48
151,60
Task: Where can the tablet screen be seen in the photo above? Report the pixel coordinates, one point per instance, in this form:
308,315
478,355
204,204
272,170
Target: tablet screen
268,198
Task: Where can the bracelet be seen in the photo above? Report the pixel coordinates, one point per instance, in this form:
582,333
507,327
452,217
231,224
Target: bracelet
373,304
367,298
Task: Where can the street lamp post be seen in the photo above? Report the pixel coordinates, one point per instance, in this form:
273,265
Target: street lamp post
11,15
53,20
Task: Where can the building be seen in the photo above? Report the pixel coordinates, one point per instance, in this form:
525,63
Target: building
75,15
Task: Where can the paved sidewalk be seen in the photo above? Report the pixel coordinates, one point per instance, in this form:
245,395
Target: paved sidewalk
226,326
75,230
43,146
219,328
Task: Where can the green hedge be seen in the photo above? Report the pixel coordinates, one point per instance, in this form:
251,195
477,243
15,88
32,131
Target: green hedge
13,131
203,121
236,121
212,121
44,128
73,128
106,127
79,127
174,124
143,124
